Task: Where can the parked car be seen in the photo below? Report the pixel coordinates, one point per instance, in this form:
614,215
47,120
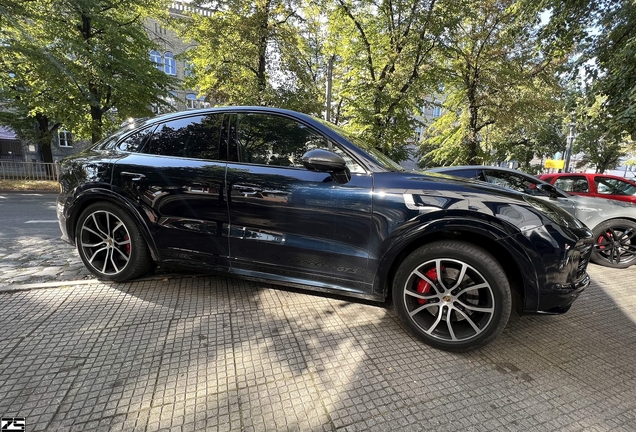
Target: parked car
279,196
612,222
595,185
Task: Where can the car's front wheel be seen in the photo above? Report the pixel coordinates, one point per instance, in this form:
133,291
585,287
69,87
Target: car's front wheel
110,244
453,295
615,243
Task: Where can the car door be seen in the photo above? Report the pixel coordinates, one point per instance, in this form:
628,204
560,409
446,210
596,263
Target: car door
291,223
175,174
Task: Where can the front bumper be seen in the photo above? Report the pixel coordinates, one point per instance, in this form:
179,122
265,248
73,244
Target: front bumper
566,280
560,299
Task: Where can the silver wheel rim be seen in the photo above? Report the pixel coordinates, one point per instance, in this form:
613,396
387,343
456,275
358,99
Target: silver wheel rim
456,307
617,245
105,242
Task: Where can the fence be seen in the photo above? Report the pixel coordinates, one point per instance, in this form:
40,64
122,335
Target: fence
10,170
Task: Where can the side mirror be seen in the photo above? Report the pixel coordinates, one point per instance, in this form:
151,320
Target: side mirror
548,189
320,160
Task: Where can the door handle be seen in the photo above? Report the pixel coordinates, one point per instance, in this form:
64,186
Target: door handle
247,190
133,176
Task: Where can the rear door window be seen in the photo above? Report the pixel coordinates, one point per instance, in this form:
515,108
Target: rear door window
572,184
191,137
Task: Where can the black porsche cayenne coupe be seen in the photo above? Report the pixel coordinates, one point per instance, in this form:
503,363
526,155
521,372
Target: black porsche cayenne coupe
279,196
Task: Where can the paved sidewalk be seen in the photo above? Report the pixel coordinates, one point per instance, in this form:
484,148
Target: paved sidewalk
213,353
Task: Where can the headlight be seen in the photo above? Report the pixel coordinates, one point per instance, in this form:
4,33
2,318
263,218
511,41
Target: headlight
553,212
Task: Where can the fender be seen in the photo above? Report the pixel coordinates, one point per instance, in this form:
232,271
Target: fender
467,225
91,195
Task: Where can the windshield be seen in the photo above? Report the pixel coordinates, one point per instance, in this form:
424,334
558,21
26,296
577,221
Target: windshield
381,158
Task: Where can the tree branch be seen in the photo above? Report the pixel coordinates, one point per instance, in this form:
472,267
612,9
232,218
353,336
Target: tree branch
364,38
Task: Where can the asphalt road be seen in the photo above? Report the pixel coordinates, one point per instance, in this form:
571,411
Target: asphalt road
28,214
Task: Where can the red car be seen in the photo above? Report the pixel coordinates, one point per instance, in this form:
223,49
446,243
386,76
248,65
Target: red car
595,185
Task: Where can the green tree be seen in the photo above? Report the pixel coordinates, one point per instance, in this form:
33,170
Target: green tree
610,59
495,81
601,144
83,63
384,51
264,52
541,136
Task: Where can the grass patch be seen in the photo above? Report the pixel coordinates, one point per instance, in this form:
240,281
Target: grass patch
29,185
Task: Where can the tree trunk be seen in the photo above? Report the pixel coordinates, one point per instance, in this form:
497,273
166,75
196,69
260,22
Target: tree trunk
96,124
44,137
472,140
261,76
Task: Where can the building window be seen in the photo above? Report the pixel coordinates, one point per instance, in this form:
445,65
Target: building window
191,100
155,57
170,65
188,68
437,111
171,100
65,139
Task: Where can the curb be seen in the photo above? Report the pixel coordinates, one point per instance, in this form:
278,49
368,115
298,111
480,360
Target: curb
61,284
29,192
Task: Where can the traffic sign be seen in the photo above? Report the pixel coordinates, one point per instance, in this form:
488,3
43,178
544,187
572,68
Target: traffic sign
556,164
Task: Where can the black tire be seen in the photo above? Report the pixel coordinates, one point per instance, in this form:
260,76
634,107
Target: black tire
615,243
110,243
477,316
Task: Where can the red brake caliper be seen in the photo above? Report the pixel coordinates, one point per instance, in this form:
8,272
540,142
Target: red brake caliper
602,238
127,244
424,287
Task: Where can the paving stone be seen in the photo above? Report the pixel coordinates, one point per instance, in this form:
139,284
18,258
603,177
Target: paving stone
217,353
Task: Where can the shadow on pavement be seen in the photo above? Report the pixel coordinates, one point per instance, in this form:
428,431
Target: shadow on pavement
214,352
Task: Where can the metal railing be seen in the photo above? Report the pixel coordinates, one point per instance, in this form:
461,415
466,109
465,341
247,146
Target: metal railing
10,170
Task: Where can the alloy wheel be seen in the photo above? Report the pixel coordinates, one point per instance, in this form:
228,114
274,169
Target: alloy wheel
105,242
617,245
449,300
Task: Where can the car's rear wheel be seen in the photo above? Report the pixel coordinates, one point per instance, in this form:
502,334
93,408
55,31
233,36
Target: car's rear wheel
453,295
615,243
110,244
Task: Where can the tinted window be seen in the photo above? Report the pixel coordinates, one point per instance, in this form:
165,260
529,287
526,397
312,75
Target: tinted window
572,184
274,140
609,186
135,142
193,137
228,135
513,181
